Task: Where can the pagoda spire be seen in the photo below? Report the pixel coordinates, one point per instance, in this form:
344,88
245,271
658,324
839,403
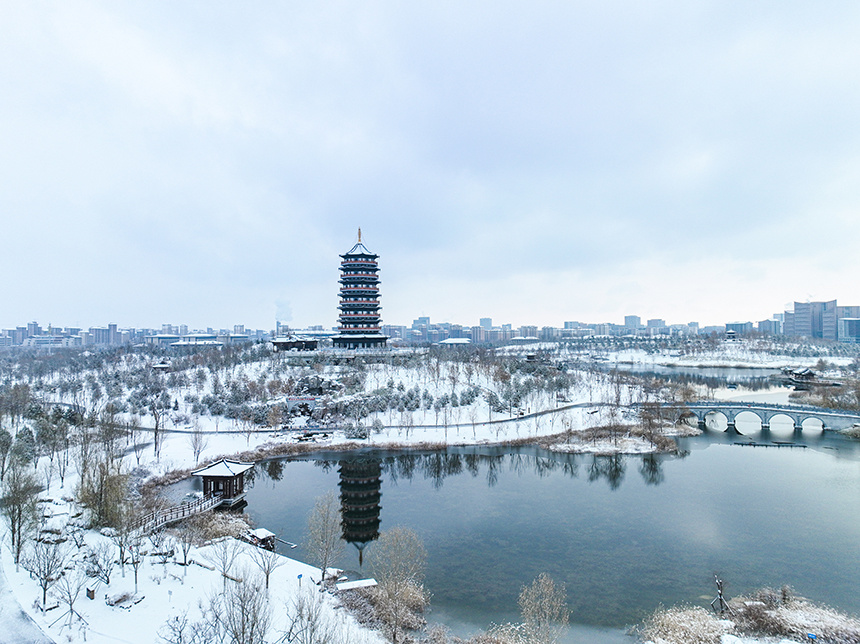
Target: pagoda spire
359,234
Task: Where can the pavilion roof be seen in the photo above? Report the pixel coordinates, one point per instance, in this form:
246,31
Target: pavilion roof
224,468
359,249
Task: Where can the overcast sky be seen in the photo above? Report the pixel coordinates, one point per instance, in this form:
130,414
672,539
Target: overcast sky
535,162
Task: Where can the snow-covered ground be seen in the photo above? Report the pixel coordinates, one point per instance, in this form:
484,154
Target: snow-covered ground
164,591
170,588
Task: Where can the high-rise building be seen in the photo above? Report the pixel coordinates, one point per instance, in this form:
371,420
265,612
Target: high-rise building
359,300
486,323
632,321
849,330
812,320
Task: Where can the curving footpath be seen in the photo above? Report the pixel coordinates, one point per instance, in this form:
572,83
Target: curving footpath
17,626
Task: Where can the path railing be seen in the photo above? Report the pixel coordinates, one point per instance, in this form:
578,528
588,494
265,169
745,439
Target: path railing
159,518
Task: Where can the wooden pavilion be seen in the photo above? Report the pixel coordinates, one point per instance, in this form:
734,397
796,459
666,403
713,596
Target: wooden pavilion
226,479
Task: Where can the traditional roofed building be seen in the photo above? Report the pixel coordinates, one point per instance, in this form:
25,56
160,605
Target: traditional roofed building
359,300
226,479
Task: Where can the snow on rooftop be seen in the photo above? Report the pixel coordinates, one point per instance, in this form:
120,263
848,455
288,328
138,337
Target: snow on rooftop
360,583
261,533
224,467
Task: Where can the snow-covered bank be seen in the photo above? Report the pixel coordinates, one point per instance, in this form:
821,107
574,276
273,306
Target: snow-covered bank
164,591
766,617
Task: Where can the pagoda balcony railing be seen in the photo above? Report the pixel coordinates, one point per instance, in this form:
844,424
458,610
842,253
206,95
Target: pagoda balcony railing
362,501
359,316
351,289
353,262
359,279
359,302
359,329
360,489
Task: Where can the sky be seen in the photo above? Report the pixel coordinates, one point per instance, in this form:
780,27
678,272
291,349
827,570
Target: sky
206,162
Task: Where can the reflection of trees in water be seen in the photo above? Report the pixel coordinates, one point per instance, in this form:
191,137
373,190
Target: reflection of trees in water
437,466
611,468
651,470
274,468
754,383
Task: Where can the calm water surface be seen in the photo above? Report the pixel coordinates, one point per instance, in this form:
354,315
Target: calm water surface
623,533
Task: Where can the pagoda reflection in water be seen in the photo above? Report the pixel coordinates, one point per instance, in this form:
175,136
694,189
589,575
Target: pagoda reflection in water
360,492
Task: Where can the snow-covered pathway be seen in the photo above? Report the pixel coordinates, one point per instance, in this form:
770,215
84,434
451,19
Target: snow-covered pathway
17,626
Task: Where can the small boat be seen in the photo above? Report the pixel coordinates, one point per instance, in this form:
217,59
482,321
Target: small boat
261,538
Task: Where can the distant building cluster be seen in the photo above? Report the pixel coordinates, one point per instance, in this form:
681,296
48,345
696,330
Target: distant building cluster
360,325
34,335
825,320
423,331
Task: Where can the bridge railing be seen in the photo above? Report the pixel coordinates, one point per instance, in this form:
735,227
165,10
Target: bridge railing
154,520
753,405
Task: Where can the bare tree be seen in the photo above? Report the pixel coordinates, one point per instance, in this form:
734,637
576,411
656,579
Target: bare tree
138,437
223,555
102,562
398,561
123,534
543,607
324,531
197,441
180,629
241,615
5,449
67,590
45,562
63,453
18,505
267,561
134,548
161,545
188,535
309,623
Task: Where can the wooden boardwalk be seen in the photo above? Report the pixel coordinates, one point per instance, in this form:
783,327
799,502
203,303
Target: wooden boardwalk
160,518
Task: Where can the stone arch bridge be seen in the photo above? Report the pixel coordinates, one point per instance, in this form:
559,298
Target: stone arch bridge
831,419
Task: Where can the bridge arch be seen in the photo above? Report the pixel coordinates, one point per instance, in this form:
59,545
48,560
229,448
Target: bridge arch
714,413
783,413
812,422
755,412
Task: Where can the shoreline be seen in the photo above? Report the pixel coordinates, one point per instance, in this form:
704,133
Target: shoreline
549,442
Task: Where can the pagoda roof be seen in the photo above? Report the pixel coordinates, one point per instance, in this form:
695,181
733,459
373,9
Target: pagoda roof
359,336
224,467
359,249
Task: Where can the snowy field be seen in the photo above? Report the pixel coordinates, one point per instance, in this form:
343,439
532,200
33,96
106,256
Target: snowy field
418,402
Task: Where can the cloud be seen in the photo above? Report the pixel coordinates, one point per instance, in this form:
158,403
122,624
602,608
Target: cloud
197,162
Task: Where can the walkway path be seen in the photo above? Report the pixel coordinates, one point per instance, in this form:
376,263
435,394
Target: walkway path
17,626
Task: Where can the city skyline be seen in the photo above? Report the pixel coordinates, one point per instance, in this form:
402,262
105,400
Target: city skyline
823,320
207,163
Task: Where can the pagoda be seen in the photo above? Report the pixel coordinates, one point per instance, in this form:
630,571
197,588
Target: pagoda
359,300
360,493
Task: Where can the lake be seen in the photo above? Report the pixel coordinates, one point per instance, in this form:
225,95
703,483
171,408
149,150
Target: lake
624,534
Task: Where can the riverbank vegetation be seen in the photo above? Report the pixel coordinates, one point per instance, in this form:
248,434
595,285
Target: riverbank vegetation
102,431
766,613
